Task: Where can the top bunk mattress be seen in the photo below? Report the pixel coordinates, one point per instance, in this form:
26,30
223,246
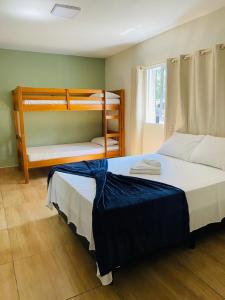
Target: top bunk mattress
66,150
79,102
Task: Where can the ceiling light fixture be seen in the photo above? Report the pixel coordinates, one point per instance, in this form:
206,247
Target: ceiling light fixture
65,11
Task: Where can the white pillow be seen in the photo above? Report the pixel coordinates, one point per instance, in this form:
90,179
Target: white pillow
108,95
180,145
101,141
210,152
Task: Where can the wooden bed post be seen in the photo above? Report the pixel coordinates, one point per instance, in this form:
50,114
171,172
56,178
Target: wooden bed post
24,161
105,123
122,123
16,126
68,99
18,139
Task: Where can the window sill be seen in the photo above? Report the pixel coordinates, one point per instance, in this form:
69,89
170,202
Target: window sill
154,124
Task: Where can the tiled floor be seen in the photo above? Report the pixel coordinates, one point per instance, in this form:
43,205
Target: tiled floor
40,258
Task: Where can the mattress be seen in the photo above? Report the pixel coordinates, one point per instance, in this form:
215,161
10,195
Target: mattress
66,150
204,187
94,102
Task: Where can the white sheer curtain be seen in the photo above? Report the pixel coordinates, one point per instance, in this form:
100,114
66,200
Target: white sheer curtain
138,109
196,93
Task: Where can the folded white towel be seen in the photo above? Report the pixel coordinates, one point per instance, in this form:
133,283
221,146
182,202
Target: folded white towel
146,166
148,172
152,162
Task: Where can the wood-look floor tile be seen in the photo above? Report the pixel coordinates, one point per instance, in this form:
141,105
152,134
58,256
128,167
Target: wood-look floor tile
205,267
11,186
12,198
213,246
24,195
12,179
8,288
25,241
32,194
161,278
183,283
5,249
18,215
78,266
42,276
101,293
1,176
39,211
42,190
53,232
1,200
13,175
3,223
33,237
135,283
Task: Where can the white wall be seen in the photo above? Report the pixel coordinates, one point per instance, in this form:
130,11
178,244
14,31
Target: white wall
201,33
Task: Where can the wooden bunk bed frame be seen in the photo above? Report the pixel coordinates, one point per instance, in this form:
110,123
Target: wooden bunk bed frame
20,94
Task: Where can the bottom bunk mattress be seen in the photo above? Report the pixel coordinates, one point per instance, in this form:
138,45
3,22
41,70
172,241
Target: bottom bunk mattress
66,150
204,188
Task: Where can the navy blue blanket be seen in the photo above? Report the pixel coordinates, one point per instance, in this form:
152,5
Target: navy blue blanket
131,217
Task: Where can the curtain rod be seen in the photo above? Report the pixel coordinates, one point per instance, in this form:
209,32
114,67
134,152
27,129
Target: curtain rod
185,57
145,67
221,46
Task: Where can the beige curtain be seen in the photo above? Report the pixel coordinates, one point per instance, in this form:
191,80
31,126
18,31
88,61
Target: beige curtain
196,93
220,90
138,105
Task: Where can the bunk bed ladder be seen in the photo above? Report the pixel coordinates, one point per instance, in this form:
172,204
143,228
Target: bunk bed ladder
105,125
20,132
120,117
68,99
121,124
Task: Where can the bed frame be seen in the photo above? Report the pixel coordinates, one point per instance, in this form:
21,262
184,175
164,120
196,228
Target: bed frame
52,94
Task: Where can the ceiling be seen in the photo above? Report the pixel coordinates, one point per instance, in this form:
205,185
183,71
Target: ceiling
102,28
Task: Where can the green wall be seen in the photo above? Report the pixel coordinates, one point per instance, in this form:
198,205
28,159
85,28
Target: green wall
47,70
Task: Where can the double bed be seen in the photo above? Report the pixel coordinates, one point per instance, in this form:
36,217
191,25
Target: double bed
204,187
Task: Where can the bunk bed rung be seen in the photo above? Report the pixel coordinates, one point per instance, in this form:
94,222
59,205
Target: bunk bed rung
84,91
115,117
113,154
18,137
85,98
45,107
116,134
44,97
112,106
86,107
43,91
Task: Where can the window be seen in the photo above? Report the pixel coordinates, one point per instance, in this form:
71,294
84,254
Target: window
156,94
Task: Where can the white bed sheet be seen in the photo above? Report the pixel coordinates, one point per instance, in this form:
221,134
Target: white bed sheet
41,102
66,150
204,187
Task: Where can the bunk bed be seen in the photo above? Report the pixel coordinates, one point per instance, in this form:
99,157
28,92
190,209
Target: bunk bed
28,99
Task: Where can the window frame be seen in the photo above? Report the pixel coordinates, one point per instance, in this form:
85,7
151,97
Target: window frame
149,98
